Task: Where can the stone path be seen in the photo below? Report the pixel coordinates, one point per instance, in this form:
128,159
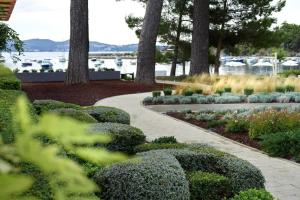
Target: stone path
282,176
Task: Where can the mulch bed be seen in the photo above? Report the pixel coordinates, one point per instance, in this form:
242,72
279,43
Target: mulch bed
239,137
85,95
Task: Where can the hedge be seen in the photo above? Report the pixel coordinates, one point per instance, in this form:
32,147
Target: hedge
42,106
242,174
208,186
108,114
8,80
165,140
253,194
7,101
151,177
125,137
151,146
75,114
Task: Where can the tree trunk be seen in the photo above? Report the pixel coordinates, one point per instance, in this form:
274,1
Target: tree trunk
176,46
147,45
78,69
183,68
200,40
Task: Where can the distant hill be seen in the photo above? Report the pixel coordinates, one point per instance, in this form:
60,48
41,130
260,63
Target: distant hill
45,45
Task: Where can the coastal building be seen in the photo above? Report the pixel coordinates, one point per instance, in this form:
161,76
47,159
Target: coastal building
6,8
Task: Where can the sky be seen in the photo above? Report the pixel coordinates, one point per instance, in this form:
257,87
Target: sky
49,19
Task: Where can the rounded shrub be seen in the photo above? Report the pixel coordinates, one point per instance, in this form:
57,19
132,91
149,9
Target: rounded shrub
188,92
248,91
156,93
208,186
242,174
148,100
151,177
280,89
153,146
290,88
198,91
42,106
165,140
253,194
124,137
237,126
108,114
185,100
168,91
227,89
75,114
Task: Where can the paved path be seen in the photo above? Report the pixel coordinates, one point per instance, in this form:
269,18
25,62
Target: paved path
282,177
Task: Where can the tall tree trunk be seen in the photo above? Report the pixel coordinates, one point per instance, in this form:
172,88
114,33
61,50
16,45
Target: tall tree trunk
200,40
147,45
176,45
183,68
78,69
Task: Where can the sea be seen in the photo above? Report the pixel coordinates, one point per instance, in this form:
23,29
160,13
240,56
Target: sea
129,65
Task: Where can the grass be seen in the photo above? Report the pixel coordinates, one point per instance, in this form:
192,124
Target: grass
212,83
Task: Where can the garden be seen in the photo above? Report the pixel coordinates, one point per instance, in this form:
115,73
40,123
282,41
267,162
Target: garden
55,150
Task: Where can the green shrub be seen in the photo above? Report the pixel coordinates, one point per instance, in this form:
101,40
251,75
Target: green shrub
170,99
148,100
227,89
288,73
42,106
124,137
10,83
208,186
75,114
198,91
284,144
185,100
253,194
8,80
290,88
7,101
248,91
206,117
228,99
272,121
168,91
151,177
156,93
152,146
280,89
242,174
188,92
165,140
237,126
216,123
219,91
108,114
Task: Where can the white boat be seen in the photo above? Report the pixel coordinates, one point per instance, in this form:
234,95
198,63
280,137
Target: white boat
234,64
290,63
62,59
47,64
263,64
27,63
119,62
133,62
98,63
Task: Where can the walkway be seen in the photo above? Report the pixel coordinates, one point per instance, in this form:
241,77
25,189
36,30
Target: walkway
282,177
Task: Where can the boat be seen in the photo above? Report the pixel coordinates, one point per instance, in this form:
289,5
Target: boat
234,64
133,62
46,64
98,63
2,59
27,63
263,64
119,62
290,63
94,59
62,59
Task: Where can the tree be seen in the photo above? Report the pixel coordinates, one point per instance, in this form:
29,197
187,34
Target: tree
147,45
10,41
200,39
174,28
241,22
78,69
290,36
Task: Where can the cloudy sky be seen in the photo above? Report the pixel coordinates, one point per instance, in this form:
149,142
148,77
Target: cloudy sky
50,19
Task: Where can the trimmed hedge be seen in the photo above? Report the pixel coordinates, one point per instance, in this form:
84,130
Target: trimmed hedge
75,114
208,186
7,101
42,106
108,114
253,194
8,80
242,174
152,177
125,137
165,140
153,146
